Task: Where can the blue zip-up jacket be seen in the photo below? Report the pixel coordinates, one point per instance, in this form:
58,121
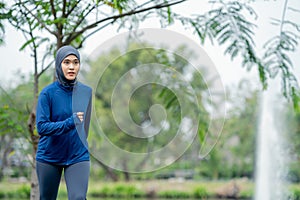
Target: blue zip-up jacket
62,135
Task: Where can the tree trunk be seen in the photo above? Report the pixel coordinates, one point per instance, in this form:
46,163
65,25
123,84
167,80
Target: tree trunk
108,170
7,150
126,173
34,192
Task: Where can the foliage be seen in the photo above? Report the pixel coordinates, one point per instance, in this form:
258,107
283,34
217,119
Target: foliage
9,122
200,192
72,22
14,140
142,98
229,159
11,129
229,24
276,57
15,104
291,119
246,194
4,14
234,156
173,194
295,193
22,192
51,24
147,189
118,191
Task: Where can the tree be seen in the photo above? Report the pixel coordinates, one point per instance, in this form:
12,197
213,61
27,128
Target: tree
11,126
229,23
239,132
49,25
291,130
3,15
141,101
67,23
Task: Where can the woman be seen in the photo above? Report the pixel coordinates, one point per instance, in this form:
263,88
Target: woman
62,119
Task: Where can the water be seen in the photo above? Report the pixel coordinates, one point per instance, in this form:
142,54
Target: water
271,157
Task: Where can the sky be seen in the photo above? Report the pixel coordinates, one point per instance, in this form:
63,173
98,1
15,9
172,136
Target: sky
15,62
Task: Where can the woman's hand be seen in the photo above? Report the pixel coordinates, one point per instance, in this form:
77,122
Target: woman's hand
80,116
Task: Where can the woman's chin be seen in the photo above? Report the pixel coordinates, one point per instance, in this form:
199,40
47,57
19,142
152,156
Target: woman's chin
71,78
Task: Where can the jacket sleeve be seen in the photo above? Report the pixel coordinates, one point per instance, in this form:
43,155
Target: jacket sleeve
43,123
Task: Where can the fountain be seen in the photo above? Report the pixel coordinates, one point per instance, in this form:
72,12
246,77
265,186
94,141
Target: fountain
271,156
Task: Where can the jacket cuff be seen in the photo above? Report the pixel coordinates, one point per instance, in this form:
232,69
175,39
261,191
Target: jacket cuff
71,121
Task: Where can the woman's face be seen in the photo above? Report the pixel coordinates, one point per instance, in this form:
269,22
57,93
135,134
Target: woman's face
70,67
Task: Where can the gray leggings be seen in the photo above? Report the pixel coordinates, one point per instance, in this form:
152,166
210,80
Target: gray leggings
76,177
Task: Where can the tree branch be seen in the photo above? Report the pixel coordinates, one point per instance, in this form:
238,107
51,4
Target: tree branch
45,69
64,9
143,4
90,34
115,17
53,9
71,10
283,16
39,20
83,17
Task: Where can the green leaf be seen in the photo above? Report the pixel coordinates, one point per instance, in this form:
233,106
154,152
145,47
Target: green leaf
171,101
234,53
287,60
170,20
262,76
295,98
11,153
28,42
224,37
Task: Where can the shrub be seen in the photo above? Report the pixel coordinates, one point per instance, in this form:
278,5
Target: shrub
295,194
23,192
247,194
2,194
174,194
118,191
125,191
106,192
200,192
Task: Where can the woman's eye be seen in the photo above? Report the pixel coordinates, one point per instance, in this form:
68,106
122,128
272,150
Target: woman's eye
66,62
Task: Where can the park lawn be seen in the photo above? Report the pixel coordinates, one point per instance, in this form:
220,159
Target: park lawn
14,190
159,188
140,189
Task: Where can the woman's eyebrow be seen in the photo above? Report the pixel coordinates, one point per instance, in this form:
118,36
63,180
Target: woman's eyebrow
68,59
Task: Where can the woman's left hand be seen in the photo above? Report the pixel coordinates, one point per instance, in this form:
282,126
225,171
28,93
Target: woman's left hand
80,116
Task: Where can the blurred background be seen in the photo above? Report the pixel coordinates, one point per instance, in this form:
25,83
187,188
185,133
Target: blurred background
252,47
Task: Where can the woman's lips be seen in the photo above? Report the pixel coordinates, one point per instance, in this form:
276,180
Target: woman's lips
71,73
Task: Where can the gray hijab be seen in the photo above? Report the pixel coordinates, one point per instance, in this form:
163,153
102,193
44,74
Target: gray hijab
61,54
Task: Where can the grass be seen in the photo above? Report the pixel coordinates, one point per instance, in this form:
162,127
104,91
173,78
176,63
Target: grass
172,189
149,189
14,190
295,192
